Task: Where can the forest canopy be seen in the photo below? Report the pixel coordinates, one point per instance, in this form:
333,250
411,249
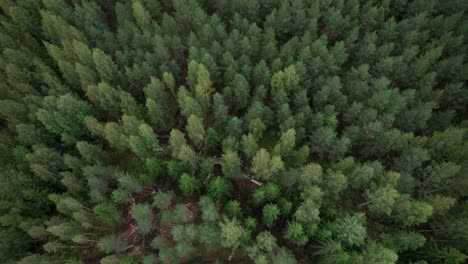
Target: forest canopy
247,131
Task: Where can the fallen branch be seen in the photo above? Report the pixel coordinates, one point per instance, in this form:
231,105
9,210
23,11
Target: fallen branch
208,178
254,181
127,248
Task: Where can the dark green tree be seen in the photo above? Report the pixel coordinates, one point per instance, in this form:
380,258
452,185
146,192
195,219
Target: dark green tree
219,188
271,213
189,185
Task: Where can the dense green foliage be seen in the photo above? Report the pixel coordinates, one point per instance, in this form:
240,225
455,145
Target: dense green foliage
252,131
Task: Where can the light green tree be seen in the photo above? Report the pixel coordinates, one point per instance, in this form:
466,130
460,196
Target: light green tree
351,229
141,15
105,66
296,233
288,142
377,254
231,165
208,209
264,166
195,129
231,234
381,201
410,212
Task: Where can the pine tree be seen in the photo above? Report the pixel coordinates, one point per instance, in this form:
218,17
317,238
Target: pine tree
129,106
250,145
208,209
64,114
106,68
378,254
240,92
181,150
264,166
219,188
111,243
145,142
65,231
381,201
271,213
256,128
143,216
350,229
113,133
108,213
91,153
308,210
188,155
141,15
312,173
231,233
155,167
94,126
402,241
361,176
188,105
195,129
189,185
440,204
105,96
220,110
233,209
409,212
334,184
177,140
157,102
210,236
162,200
203,85
444,254
231,165
296,233
129,182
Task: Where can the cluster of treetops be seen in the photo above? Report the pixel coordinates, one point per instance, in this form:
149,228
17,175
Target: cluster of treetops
249,131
